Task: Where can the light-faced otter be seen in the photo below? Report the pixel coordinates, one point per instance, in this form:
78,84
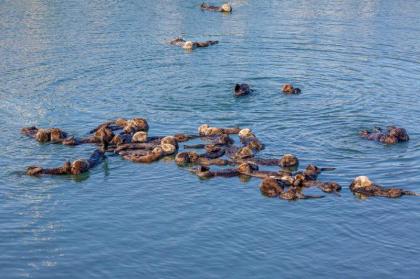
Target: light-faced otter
289,160
205,130
242,89
289,89
140,136
393,135
74,168
225,8
362,186
135,125
190,45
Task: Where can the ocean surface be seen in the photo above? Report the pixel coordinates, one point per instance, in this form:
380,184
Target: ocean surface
75,64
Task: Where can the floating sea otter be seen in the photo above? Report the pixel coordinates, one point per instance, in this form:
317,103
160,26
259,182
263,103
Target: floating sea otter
271,188
53,135
205,130
75,167
242,89
363,187
189,45
289,89
226,8
391,136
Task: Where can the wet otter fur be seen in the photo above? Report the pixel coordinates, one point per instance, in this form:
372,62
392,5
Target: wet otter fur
206,130
363,186
289,89
190,45
225,8
393,135
242,89
76,167
140,136
289,160
270,187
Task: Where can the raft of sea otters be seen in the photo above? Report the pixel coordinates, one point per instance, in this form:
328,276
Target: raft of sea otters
130,140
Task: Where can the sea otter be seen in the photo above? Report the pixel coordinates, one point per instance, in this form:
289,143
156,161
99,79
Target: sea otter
205,172
289,160
184,158
289,89
362,186
295,193
190,45
242,89
53,135
226,8
74,168
393,135
270,187
206,130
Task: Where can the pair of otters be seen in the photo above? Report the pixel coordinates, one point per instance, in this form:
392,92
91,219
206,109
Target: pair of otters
190,45
244,89
391,135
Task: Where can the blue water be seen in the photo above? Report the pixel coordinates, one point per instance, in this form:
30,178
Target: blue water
74,64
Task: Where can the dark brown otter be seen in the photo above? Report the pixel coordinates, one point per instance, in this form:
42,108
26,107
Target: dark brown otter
289,160
242,89
190,45
393,135
289,89
76,167
270,187
184,158
295,193
226,8
205,172
362,186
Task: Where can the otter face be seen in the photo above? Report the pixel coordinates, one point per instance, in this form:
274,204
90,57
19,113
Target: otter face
289,160
186,158
158,150
227,8
43,135
270,187
287,88
56,134
244,152
203,129
169,140
246,133
168,149
361,182
247,168
79,166
104,135
139,137
189,45
117,140
34,171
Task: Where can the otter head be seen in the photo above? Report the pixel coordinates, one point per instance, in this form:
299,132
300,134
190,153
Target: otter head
121,122
244,152
158,151
105,135
117,140
227,8
189,45
289,160
43,135
255,145
34,170
56,134
361,182
245,133
170,140
79,166
245,168
312,169
399,133
140,136
168,149
186,158
202,130
181,137
287,88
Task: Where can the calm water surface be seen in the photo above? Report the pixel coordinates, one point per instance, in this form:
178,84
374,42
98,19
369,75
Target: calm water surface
74,64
